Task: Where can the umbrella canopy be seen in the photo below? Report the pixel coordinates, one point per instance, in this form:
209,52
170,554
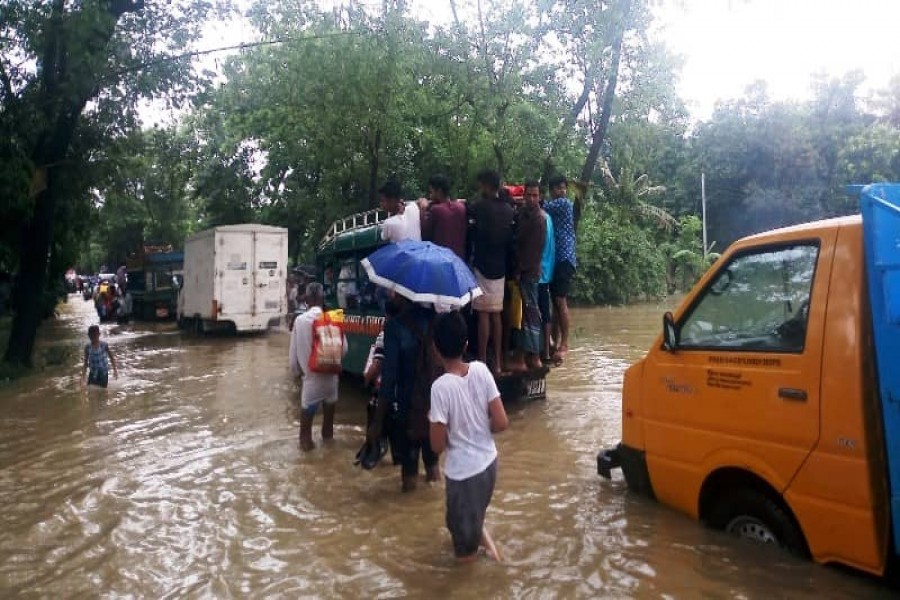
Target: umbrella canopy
423,272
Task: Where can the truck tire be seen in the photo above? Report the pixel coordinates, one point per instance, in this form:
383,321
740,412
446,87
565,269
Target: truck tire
752,515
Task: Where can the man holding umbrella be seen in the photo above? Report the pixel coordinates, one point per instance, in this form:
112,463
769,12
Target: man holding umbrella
419,274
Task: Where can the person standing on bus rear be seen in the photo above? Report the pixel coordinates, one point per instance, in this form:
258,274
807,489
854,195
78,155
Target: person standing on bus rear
531,232
562,211
318,388
443,219
404,222
548,262
492,234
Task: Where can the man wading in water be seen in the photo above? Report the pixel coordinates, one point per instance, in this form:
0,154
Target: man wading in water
406,376
318,388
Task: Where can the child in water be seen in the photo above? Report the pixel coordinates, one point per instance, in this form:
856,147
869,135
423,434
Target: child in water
465,410
97,358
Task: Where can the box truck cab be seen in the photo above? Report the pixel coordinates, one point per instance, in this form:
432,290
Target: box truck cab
769,406
235,277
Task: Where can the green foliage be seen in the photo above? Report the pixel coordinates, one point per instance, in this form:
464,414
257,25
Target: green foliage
770,164
618,260
684,254
72,78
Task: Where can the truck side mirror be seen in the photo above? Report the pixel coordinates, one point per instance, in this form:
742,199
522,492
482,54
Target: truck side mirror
670,333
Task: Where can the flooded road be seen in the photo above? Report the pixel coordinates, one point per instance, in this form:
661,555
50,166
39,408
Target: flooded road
184,479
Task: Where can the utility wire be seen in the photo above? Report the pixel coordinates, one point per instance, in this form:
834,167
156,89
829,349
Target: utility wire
242,46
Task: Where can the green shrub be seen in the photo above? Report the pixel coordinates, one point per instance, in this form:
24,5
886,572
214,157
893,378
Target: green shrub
618,260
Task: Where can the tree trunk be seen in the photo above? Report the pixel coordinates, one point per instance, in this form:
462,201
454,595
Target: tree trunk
501,160
61,100
28,301
568,122
374,161
609,95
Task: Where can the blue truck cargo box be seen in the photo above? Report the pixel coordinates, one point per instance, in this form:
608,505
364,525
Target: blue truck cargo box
880,205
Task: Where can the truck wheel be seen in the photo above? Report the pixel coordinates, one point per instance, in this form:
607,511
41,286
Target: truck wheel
752,515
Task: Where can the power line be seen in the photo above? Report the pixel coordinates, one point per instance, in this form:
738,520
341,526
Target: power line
241,46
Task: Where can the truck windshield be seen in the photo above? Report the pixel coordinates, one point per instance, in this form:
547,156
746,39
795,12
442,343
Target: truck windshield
759,301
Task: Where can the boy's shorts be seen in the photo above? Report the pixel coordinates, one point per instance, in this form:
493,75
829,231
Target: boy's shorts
98,377
467,503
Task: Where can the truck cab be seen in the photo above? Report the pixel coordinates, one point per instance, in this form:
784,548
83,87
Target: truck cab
758,410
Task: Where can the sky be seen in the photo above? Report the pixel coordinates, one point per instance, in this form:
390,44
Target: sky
728,44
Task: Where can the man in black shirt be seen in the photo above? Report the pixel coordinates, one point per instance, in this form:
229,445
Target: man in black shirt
492,235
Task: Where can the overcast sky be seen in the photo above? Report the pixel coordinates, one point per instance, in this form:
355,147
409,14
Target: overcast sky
730,43
727,44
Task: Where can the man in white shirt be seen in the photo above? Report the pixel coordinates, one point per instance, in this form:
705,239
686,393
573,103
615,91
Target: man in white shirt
318,388
404,222
465,410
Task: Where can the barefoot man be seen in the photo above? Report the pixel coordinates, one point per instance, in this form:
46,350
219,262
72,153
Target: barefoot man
562,211
318,388
531,233
492,232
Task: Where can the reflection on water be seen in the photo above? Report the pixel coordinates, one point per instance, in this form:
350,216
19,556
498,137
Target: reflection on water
184,478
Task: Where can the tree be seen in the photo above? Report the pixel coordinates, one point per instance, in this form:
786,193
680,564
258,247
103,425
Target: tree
71,75
633,192
145,195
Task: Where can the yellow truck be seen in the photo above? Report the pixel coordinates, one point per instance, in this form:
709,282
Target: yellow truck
769,406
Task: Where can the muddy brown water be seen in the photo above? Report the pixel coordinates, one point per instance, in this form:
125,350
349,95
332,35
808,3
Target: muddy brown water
184,480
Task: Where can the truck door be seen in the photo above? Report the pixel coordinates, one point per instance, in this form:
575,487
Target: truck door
742,387
235,260
269,273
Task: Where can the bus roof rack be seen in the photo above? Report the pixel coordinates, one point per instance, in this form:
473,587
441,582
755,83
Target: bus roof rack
369,218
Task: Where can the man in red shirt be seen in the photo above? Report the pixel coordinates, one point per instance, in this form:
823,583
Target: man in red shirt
443,219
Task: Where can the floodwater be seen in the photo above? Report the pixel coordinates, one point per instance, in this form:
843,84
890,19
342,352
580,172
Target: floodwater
184,479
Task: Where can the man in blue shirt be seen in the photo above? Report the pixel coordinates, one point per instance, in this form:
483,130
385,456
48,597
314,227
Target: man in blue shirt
562,211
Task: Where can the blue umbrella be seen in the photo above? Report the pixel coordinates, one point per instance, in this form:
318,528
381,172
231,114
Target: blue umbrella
423,272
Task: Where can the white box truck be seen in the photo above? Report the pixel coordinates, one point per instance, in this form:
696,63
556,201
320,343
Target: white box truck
235,276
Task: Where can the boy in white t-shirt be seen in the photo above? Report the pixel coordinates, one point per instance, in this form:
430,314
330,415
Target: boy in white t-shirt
465,410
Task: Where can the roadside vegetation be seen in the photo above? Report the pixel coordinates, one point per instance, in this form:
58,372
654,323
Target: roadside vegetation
302,130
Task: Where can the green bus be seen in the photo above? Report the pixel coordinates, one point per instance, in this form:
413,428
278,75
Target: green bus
153,281
347,242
